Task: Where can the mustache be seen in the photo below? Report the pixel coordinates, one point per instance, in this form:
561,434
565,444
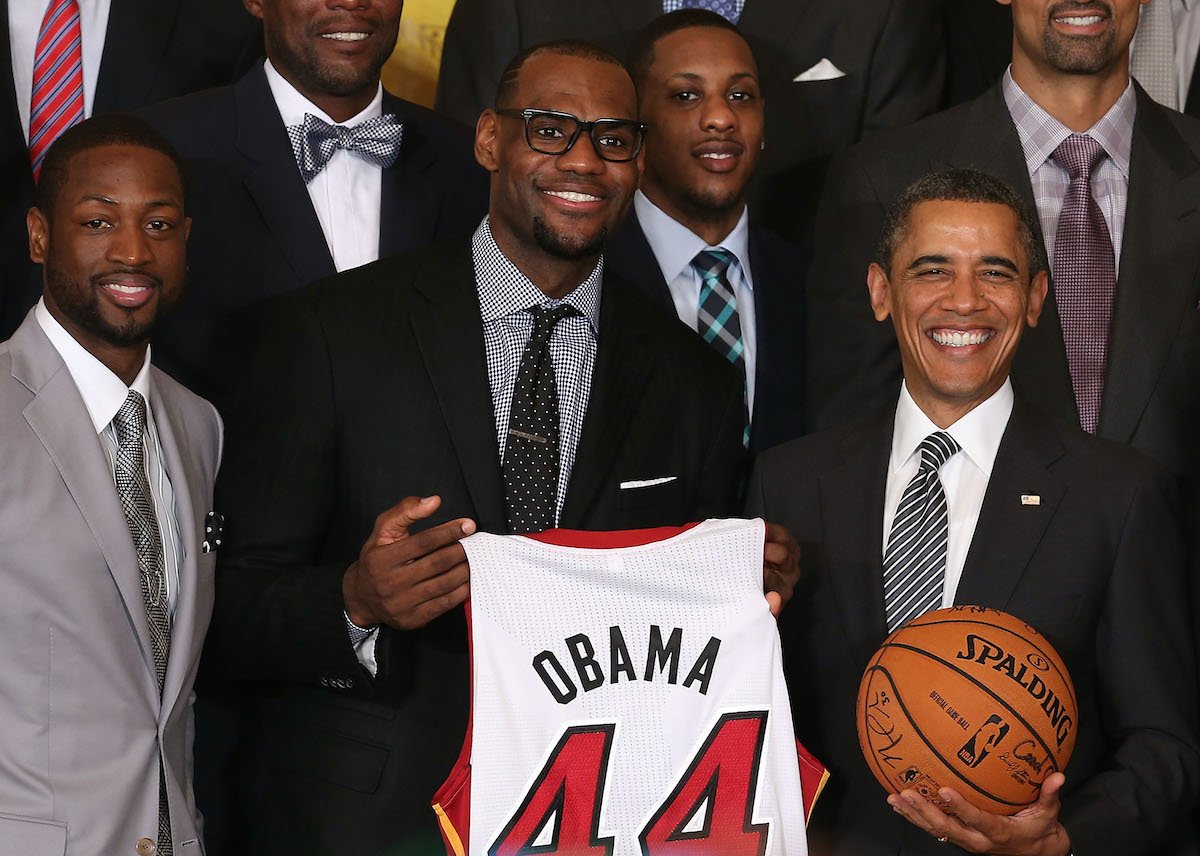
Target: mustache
97,278
1068,6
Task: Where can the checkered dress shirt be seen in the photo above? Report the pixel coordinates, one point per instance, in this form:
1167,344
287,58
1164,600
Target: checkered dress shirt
504,295
1041,134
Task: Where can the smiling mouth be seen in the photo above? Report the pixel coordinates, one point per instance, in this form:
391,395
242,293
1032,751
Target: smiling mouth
961,338
345,37
1080,20
573,196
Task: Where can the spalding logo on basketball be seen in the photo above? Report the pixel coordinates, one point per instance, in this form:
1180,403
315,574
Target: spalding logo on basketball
967,698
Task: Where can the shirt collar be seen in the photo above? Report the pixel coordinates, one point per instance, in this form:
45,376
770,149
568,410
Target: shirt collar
292,105
978,432
504,290
675,245
1041,133
103,392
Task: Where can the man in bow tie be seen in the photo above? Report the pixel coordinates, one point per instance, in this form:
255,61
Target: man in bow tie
304,168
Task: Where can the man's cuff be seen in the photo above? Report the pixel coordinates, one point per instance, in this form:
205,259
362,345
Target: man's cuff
362,639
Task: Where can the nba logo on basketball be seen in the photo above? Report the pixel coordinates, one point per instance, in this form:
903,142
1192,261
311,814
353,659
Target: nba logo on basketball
986,738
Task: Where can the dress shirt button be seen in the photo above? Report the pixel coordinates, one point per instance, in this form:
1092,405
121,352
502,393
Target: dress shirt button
146,847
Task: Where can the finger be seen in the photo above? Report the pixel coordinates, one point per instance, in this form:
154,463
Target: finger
414,547
1048,797
439,606
393,524
438,586
398,574
775,555
775,602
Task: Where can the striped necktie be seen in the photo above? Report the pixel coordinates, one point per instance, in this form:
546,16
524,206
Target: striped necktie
717,320
57,100
914,564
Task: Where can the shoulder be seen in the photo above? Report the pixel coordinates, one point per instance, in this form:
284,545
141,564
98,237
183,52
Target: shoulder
927,137
444,138
1167,126
192,122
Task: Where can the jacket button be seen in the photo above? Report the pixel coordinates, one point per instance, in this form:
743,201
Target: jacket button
146,847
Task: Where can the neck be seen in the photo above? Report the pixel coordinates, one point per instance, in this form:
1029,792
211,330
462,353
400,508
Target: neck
1076,100
711,224
556,277
339,108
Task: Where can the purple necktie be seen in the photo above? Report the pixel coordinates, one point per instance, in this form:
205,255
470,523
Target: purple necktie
1085,276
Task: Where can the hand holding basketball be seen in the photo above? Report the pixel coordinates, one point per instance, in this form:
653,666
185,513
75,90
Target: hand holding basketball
1033,831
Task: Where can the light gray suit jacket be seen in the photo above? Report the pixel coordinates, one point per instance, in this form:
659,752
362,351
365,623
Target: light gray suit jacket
81,724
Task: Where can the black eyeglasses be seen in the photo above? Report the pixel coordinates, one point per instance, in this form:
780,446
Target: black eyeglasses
552,133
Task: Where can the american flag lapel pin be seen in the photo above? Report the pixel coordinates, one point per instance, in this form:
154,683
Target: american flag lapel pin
1030,499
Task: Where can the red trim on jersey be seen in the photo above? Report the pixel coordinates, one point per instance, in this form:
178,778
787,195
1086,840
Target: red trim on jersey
452,801
609,540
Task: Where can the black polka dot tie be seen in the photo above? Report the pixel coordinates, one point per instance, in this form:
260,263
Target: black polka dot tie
531,454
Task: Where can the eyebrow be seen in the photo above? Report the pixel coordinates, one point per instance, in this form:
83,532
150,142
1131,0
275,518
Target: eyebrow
929,260
934,259
1000,261
108,200
735,77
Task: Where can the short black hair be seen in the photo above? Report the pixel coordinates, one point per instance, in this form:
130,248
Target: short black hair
641,57
960,185
113,129
559,47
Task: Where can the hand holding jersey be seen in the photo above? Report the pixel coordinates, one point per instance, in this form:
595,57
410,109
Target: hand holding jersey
407,580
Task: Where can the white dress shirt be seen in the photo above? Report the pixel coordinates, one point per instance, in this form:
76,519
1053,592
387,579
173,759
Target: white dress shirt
675,246
346,193
964,476
24,23
103,395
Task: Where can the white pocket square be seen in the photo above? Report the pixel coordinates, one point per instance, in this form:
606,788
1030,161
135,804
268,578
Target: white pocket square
633,485
824,70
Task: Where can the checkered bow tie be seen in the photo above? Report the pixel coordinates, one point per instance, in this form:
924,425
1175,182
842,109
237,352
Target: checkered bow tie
315,142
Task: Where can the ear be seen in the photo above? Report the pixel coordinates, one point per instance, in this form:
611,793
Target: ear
187,227
487,130
880,290
39,235
1037,298
254,7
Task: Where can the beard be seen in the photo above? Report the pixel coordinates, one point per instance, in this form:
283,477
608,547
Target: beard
312,74
1078,54
567,246
82,306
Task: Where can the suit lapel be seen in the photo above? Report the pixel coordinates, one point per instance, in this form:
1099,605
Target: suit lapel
188,484
852,498
618,380
1156,287
629,254
138,31
59,418
1009,529
409,203
274,182
449,334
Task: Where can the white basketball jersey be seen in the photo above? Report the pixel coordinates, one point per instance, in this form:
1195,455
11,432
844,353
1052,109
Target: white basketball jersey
628,698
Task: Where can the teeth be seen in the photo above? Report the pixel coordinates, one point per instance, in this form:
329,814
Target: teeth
127,289
959,339
345,37
571,196
1084,21
716,155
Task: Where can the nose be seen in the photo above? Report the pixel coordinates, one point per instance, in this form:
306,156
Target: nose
581,158
965,294
717,115
129,245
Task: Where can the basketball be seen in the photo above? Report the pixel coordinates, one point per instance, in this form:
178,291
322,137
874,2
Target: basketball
967,698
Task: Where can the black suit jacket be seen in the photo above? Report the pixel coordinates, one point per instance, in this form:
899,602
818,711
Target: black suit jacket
255,233
153,49
890,51
978,47
778,269
370,387
1152,391
1097,567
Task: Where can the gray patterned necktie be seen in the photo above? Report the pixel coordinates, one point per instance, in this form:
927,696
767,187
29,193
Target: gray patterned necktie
1153,59
134,490
1084,269
727,9
914,564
